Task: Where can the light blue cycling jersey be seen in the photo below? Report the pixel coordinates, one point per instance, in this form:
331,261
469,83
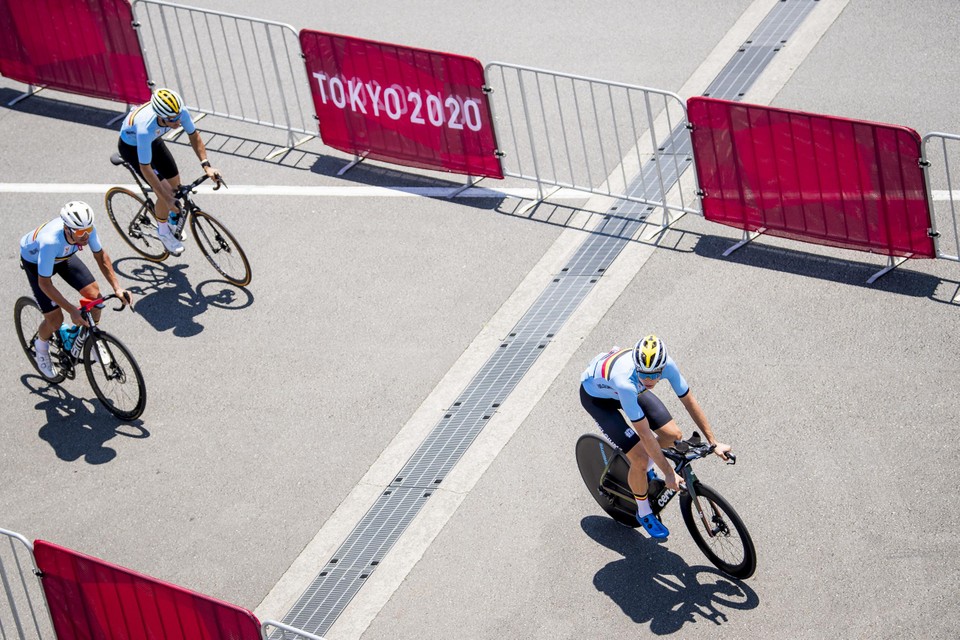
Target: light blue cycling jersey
140,129
47,245
613,375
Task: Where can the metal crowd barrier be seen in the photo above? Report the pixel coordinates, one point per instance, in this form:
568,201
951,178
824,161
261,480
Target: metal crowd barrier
284,632
941,157
591,135
228,65
23,610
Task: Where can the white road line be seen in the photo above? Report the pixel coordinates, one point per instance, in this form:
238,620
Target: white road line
345,191
302,191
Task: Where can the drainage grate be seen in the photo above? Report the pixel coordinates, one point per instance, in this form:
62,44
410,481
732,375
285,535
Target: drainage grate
357,558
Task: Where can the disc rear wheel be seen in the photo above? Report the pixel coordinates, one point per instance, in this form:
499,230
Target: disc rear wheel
595,456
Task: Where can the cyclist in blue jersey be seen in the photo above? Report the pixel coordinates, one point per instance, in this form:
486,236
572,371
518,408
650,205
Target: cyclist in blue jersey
141,145
52,248
623,379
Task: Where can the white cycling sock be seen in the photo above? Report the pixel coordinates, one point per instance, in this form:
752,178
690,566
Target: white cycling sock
163,227
643,506
42,346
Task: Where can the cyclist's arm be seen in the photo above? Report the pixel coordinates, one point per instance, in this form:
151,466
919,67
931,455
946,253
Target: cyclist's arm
196,141
106,267
700,418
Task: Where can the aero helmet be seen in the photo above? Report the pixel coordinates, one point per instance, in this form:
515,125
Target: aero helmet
650,355
77,215
166,104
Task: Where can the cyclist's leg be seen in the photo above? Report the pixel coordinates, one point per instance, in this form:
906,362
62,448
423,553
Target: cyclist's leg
78,276
606,413
52,314
662,424
166,168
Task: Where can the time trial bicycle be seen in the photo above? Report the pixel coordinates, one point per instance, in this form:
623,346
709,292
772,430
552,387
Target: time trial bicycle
111,369
135,220
715,526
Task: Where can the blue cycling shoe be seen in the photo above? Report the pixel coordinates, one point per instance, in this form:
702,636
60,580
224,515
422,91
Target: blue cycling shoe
654,527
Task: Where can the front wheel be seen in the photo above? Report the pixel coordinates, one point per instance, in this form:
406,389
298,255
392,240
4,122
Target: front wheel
221,248
27,318
115,376
133,218
719,532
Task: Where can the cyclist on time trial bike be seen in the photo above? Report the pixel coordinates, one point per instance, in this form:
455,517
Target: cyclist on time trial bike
624,379
141,145
52,248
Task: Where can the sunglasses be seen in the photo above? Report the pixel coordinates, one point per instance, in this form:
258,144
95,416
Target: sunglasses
650,376
82,233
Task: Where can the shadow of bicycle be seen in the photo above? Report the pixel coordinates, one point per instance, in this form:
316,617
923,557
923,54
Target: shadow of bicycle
652,584
168,301
77,427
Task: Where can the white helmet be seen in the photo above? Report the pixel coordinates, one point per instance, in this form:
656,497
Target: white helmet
650,355
166,103
77,215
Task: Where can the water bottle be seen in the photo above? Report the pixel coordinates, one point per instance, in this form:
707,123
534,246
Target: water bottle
172,220
68,333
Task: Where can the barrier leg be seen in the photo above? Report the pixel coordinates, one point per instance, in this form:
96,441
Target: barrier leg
747,237
891,265
537,202
31,90
356,160
120,117
470,183
290,147
666,220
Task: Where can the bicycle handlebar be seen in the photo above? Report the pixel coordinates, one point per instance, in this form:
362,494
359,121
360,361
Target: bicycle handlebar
87,305
693,448
186,189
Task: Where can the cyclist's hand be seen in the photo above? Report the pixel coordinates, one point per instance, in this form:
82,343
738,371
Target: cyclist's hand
672,481
721,450
125,296
214,175
76,318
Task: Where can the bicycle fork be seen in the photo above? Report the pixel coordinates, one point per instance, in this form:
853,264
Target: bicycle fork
707,519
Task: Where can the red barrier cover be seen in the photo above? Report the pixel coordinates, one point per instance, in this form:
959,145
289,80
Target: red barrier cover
90,598
404,105
815,178
81,46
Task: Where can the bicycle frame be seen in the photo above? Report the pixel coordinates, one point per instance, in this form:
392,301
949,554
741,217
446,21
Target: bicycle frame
181,193
682,466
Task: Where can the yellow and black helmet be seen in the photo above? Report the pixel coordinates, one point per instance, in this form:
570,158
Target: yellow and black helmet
166,103
650,355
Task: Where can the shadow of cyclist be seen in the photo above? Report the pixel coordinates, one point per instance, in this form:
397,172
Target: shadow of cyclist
167,300
652,584
77,427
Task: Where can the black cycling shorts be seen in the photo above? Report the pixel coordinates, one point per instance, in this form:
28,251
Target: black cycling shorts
614,425
72,270
162,162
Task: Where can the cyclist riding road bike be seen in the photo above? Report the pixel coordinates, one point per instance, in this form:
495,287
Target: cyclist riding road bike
52,248
623,379
141,145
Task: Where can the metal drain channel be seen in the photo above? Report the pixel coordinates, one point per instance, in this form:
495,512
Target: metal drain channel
343,576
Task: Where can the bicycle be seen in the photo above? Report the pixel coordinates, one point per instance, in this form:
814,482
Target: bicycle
135,220
111,369
715,527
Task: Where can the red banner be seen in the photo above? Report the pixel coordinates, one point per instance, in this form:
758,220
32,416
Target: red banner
815,178
81,46
404,105
90,598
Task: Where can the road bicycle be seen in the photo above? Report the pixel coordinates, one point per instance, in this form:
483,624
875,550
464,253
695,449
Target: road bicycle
135,220
712,521
111,369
